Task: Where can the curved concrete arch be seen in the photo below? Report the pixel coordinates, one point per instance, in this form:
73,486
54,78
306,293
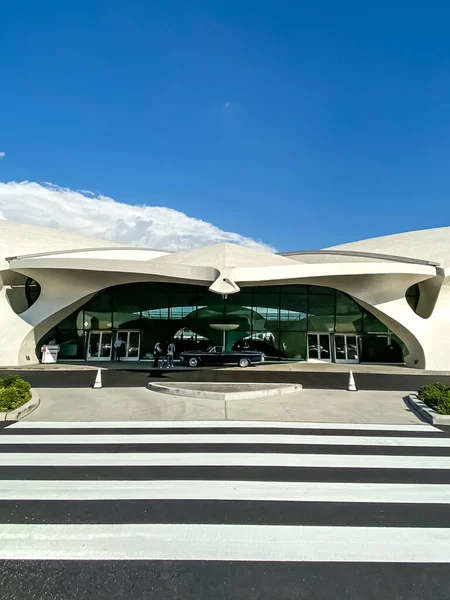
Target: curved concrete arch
376,273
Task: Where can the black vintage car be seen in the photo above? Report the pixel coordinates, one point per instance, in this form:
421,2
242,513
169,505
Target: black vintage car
215,355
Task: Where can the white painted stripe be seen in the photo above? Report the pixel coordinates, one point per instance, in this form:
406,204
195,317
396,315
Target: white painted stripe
225,542
218,424
225,490
223,459
192,438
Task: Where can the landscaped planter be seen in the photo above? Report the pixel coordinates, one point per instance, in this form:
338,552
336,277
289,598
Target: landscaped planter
22,411
428,413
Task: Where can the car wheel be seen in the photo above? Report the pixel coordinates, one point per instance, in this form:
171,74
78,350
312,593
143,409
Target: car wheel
193,361
243,362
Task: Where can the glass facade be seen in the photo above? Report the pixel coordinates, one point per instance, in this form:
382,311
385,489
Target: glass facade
275,320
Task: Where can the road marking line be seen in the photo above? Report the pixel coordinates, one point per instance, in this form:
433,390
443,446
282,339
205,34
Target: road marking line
224,459
225,490
218,424
225,542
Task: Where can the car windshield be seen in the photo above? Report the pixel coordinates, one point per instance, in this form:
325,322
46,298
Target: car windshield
215,349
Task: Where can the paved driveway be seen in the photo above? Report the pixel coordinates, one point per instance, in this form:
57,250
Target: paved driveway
136,404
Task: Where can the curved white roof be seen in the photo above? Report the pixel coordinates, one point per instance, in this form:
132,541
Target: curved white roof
17,239
425,244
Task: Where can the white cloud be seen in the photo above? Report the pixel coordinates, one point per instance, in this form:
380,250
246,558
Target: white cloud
2,155
157,227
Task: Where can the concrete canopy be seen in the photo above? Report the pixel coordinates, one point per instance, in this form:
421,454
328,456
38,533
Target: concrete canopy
376,273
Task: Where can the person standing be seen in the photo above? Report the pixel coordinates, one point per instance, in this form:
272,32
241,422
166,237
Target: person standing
117,348
157,351
170,354
164,355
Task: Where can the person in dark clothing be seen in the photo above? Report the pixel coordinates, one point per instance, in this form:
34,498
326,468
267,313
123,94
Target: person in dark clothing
164,355
157,351
170,354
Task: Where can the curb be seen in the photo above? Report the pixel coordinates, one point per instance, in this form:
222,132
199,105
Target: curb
22,411
270,391
428,413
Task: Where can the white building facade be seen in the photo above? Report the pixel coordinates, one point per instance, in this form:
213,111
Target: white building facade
383,300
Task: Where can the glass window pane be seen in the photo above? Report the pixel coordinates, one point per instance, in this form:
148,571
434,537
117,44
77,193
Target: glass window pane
73,321
94,345
262,341
352,347
105,345
71,343
339,342
267,313
321,312
381,348
373,325
293,345
98,312
324,347
293,312
348,314
133,344
313,346
346,305
294,289
349,323
242,298
267,289
182,304
127,306
319,289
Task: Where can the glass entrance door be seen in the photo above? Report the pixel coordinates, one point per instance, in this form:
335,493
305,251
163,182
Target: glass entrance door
99,345
131,341
346,348
319,347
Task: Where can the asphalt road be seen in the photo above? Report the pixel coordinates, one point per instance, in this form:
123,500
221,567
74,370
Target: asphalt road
312,380
109,511
210,580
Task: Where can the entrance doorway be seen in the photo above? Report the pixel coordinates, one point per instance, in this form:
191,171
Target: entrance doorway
99,345
346,348
130,348
319,347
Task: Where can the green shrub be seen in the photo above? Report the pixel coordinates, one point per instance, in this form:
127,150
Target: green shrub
10,380
14,392
10,398
436,396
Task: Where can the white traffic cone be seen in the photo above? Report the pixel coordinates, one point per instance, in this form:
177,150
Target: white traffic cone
351,383
98,380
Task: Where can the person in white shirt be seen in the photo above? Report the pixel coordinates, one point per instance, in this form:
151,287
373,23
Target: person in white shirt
117,348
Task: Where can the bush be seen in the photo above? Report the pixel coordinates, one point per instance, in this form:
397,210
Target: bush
10,380
14,392
436,396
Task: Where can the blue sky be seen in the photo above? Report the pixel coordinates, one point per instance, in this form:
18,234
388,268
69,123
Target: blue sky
300,124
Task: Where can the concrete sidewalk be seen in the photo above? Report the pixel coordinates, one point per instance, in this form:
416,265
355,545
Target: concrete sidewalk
275,366
136,404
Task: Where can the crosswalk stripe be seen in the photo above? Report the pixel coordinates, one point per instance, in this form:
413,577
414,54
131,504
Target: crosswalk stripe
226,459
328,440
219,424
225,490
224,542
